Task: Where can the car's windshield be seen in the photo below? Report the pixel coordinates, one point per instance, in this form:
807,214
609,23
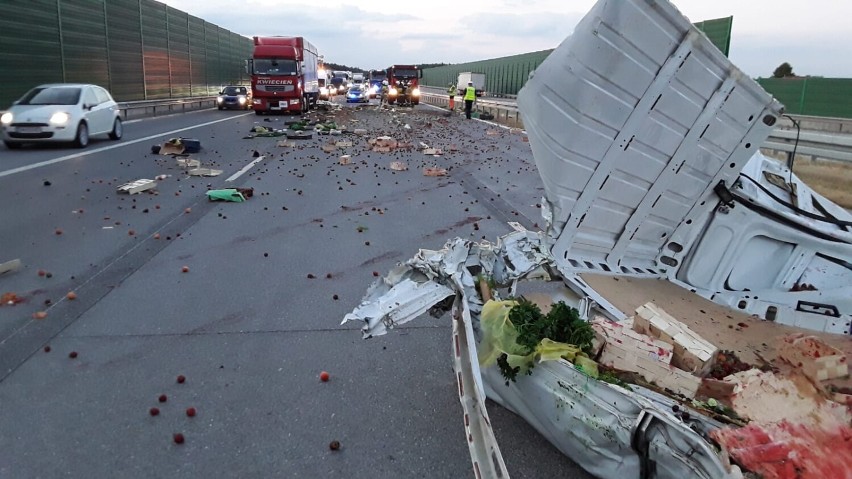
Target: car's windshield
405,73
234,90
355,88
264,66
51,96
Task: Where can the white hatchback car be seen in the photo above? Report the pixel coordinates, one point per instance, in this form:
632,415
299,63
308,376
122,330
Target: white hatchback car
62,112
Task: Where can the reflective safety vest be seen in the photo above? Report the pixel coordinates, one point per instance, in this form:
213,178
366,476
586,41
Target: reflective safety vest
451,90
470,93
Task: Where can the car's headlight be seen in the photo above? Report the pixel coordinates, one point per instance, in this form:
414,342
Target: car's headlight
242,100
219,99
415,92
6,119
392,91
59,118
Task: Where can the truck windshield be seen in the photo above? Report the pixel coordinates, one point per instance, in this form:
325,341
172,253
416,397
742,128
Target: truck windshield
405,73
51,96
263,66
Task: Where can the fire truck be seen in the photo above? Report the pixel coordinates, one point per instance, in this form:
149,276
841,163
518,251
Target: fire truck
404,83
283,75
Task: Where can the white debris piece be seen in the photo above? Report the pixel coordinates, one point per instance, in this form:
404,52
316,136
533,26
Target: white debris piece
137,186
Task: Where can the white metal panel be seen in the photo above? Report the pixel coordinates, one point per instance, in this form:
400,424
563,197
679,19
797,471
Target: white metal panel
632,121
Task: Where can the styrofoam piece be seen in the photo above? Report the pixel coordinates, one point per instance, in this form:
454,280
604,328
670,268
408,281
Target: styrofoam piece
137,186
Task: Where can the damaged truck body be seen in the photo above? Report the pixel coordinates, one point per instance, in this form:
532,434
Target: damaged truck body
647,141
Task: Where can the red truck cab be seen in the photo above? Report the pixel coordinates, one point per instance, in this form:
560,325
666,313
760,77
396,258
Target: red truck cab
283,75
404,82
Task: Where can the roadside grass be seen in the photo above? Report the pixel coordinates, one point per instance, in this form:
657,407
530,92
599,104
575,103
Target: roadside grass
831,179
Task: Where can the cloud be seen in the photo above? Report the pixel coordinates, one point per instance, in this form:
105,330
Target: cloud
525,25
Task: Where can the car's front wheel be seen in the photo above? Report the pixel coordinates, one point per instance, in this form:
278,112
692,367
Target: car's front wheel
12,145
117,130
82,138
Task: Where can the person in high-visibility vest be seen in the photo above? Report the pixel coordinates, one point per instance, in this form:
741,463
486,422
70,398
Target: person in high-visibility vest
451,91
469,98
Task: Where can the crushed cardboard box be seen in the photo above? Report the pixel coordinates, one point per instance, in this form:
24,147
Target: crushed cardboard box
691,352
398,166
345,159
607,331
818,360
434,171
137,186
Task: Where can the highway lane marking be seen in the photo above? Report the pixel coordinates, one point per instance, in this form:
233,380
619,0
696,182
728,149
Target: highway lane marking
40,164
245,169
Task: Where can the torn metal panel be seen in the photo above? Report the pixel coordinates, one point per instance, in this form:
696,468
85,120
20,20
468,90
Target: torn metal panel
646,138
592,422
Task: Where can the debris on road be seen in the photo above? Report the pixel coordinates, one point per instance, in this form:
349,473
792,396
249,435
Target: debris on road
324,376
334,445
285,144
203,172
299,135
432,151
173,146
383,144
434,171
137,186
188,162
10,266
228,194
398,166
345,160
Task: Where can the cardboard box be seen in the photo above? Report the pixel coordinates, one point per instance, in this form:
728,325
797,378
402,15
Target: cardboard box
818,360
618,356
643,345
691,352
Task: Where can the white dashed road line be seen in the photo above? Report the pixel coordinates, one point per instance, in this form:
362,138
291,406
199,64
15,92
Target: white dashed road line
120,144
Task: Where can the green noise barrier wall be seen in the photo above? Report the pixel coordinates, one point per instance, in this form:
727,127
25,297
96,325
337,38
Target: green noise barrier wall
137,49
506,75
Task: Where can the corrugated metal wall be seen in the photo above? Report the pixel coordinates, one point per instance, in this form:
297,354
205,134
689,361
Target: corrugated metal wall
137,49
506,75
831,97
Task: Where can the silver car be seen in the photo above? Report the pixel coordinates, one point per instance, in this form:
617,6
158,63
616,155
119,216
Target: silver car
62,112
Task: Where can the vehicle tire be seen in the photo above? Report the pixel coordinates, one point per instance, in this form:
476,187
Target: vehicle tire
415,102
13,145
219,107
304,105
117,130
82,138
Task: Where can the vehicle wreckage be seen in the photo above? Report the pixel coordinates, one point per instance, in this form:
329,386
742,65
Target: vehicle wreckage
647,141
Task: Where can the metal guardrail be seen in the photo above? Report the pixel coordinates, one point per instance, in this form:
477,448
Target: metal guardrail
504,111
146,108
824,138
817,145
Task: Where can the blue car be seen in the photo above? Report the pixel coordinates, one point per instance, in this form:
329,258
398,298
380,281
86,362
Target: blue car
238,97
357,94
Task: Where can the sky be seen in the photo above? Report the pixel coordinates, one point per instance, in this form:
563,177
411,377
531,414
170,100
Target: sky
814,36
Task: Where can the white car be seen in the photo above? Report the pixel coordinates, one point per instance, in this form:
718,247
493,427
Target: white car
62,112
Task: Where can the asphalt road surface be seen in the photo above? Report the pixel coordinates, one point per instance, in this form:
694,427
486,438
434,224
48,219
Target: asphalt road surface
257,316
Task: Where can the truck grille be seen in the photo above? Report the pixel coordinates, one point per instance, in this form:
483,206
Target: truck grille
276,88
